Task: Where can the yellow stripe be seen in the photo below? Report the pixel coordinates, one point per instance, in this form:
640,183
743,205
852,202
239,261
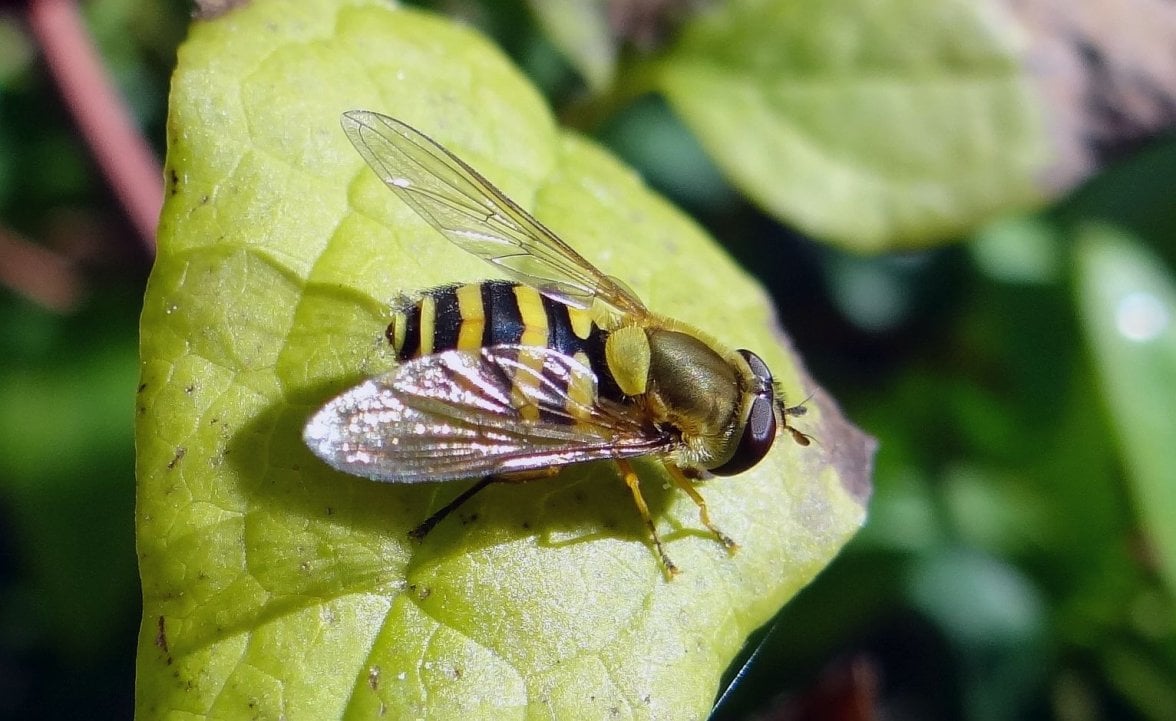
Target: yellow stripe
399,328
533,315
534,318
523,388
581,322
580,395
473,317
428,323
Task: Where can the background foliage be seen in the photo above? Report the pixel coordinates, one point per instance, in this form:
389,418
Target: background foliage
1019,373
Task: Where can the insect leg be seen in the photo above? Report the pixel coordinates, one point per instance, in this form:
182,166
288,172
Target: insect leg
422,530
631,480
522,476
681,481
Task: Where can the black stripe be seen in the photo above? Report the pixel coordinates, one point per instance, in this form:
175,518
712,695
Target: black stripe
505,382
606,385
561,337
559,331
447,320
504,322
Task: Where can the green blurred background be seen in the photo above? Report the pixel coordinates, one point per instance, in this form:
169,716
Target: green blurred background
1013,566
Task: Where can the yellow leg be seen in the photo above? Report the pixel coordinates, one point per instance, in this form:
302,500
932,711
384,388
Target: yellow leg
681,481
631,481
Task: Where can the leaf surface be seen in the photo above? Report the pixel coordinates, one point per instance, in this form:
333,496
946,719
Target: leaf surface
275,587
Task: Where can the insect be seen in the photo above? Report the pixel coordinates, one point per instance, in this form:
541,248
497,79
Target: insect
510,380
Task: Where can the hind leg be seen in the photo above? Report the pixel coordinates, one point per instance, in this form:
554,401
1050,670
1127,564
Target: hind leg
631,480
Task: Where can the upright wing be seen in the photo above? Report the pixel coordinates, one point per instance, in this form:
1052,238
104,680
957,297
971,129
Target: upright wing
466,208
465,414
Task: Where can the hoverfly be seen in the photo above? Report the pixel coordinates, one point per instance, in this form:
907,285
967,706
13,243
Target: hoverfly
509,380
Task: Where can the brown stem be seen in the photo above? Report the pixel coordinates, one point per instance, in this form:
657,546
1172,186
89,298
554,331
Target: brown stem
119,148
38,274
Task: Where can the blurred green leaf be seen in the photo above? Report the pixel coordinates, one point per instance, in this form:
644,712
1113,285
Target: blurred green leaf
1127,301
580,29
1144,679
648,136
1018,250
875,125
278,253
66,474
996,622
16,52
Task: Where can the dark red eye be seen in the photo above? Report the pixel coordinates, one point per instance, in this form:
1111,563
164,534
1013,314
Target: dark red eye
757,438
760,430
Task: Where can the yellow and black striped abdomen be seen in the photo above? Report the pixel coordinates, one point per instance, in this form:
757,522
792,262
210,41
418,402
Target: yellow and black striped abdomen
499,312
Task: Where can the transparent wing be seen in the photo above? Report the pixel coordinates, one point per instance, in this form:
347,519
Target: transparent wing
466,208
465,414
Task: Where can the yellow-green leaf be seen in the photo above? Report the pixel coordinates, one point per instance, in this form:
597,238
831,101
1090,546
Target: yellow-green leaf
277,588
876,125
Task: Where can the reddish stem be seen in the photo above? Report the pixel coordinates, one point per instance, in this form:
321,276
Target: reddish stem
38,274
107,127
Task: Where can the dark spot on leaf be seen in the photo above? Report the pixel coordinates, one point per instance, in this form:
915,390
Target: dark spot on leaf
161,639
374,678
142,387
180,453
189,389
173,185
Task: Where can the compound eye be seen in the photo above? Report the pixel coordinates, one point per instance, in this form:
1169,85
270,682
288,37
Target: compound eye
757,438
758,368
